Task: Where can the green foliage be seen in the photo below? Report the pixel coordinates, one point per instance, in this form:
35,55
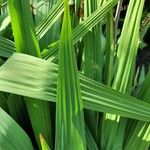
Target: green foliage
23,28
88,88
70,130
11,135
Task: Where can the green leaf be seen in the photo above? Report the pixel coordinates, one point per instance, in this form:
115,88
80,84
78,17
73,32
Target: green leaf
23,27
110,48
127,49
11,135
7,47
92,64
3,101
70,129
78,32
26,42
140,137
49,19
123,73
82,28
44,145
4,23
22,80
17,110
90,140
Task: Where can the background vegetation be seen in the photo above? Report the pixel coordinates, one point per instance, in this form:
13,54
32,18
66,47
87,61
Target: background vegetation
74,75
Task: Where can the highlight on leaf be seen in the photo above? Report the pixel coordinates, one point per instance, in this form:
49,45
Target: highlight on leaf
74,74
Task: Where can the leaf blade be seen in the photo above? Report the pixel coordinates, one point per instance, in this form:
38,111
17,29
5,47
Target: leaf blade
70,130
11,135
95,96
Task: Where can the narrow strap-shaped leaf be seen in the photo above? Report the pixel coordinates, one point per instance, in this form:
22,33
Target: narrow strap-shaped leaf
49,19
90,140
78,32
11,135
23,28
44,144
70,130
123,75
92,64
140,138
22,80
83,28
110,47
26,42
7,47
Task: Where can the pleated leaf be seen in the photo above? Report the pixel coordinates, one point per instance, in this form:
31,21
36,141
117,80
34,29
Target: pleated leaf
23,27
140,138
70,130
7,47
82,28
26,42
78,32
92,64
43,27
18,76
114,127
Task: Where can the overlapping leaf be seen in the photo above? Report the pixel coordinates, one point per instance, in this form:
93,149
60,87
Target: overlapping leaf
82,28
114,129
140,137
18,75
8,47
70,130
49,19
78,32
26,42
11,134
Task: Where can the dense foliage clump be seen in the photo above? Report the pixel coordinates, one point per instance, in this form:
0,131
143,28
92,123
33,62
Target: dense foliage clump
74,75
